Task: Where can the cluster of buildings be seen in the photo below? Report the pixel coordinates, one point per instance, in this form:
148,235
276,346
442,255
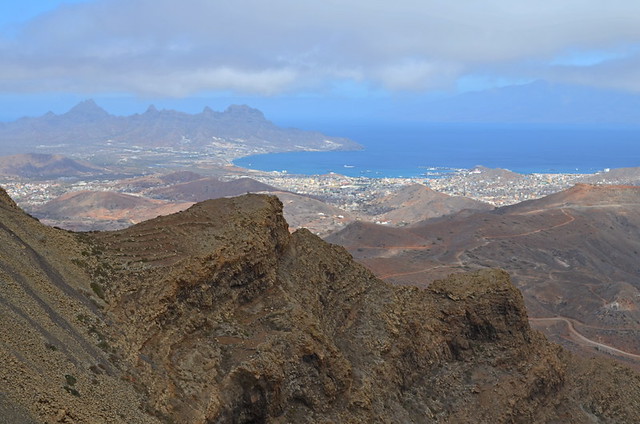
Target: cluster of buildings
353,193
496,187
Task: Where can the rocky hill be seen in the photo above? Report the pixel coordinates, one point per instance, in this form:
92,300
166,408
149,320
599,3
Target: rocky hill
219,314
416,202
615,176
45,166
102,210
210,188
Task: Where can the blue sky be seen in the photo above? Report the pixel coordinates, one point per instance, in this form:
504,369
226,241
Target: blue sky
304,58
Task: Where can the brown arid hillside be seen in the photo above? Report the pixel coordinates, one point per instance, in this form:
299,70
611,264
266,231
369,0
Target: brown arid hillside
616,176
582,196
103,210
56,362
219,315
158,180
45,166
575,255
417,202
210,188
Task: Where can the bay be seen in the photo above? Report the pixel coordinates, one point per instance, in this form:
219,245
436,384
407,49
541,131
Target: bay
411,150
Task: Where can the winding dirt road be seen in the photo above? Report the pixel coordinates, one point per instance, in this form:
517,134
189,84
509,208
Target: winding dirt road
528,233
610,349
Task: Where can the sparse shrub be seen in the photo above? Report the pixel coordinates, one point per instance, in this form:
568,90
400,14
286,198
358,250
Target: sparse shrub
98,290
79,262
71,380
104,345
72,391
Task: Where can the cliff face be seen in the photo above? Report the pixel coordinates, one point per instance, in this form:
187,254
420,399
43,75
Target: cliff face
218,314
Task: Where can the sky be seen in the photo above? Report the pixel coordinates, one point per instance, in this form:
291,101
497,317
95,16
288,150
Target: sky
355,58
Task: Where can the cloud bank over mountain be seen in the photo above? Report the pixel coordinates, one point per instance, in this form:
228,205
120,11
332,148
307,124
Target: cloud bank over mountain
180,48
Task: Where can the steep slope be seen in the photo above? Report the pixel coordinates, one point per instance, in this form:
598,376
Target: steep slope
243,322
366,235
56,363
581,195
219,314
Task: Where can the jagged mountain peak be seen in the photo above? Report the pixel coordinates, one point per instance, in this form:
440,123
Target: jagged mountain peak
151,110
87,124
87,110
244,111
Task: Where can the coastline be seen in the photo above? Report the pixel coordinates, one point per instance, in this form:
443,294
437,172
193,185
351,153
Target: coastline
409,150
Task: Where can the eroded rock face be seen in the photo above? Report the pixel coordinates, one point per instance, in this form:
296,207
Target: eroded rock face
219,314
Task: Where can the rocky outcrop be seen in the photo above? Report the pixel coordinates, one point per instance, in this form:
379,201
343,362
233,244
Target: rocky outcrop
219,314
6,200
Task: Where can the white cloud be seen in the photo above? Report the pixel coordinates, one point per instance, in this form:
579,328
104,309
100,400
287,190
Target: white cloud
417,75
181,47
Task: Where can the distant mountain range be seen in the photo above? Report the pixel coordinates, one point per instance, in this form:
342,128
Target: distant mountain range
88,124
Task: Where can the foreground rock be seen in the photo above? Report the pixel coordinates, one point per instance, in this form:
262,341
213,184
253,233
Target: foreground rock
218,314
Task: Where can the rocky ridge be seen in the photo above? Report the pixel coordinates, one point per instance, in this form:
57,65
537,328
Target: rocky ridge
573,254
219,314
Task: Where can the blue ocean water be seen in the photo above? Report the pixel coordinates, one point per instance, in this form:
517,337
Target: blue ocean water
408,150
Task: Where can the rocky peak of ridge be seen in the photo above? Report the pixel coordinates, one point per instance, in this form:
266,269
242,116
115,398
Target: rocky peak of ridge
87,110
6,200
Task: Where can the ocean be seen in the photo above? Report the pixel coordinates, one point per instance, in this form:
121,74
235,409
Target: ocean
411,150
